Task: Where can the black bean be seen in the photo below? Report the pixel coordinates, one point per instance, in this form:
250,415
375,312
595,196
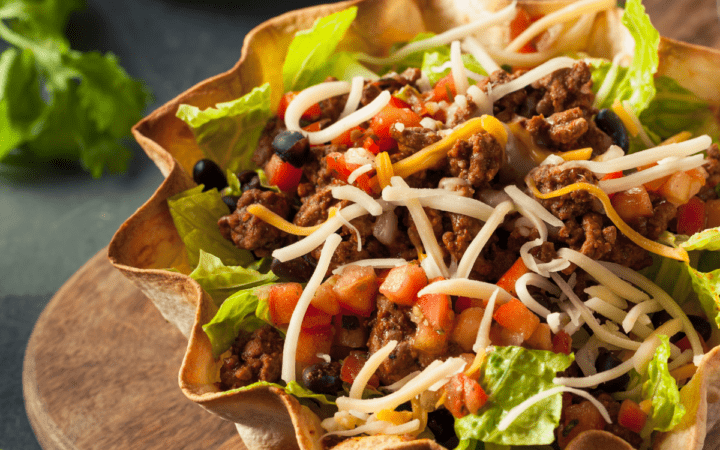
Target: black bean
230,201
297,269
209,174
323,378
607,361
442,425
610,123
660,318
245,176
291,147
701,325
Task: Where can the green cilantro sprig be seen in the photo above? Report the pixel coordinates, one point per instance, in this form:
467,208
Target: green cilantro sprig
57,103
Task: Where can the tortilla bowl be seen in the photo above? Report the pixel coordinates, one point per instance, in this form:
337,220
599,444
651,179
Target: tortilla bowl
147,244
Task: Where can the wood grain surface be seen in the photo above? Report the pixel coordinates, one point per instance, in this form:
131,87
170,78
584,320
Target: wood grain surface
101,365
101,372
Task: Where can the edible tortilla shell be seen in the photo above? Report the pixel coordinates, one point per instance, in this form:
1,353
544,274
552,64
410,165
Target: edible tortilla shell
147,243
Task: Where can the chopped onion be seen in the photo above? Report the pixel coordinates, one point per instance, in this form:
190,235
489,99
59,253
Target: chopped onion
385,227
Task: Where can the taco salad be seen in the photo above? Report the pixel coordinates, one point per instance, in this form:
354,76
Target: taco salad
498,234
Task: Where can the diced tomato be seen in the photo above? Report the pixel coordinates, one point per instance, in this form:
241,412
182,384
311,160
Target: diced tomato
712,213
336,163
313,127
562,342
403,283
316,318
311,342
352,365
631,416
464,396
681,187
691,217
463,303
282,299
508,280
502,337
633,203
387,117
370,145
313,113
282,174
356,289
466,327
325,298
541,339
437,309
445,89
346,137
612,176
519,24
516,317
577,418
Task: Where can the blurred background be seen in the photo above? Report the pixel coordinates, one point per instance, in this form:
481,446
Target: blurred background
54,218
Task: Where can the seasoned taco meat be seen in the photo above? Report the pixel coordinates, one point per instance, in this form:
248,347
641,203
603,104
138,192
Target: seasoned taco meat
256,356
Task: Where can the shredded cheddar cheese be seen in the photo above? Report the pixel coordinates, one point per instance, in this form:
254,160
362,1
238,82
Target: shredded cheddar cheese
384,169
394,417
675,253
581,154
278,222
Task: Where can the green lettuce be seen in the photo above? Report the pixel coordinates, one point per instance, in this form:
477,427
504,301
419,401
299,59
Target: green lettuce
511,375
675,109
310,56
634,83
237,313
195,214
220,281
433,62
661,389
229,133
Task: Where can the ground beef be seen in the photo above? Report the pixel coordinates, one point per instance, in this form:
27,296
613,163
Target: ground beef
589,237
264,150
411,140
549,178
392,322
712,166
506,107
255,357
565,89
613,408
251,233
391,82
560,131
477,159
652,227
626,253
315,208
463,229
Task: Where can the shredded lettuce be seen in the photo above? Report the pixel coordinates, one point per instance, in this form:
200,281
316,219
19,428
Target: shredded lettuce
634,83
235,314
229,133
220,281
310,56
195,214
511,375
661,389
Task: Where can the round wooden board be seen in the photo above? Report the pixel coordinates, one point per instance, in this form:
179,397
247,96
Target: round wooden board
101,371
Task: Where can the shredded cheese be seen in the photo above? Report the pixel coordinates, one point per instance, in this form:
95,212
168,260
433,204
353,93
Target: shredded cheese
649,306
308,97
365,168
293,331
475,48
482,340
608,296
367,371
546,68
380,263
466,288
358,196
651,246
668,166
471,254
384,169
363,114
263,213
356,88
525,297
458,68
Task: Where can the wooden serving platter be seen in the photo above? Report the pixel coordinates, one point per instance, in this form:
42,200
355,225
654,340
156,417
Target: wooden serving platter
101,371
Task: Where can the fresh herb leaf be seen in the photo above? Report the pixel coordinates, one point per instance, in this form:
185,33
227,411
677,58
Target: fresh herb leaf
57,103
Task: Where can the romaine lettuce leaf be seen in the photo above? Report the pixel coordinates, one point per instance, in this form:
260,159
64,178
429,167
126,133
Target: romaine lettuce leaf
220,280
634,83
675,109
236,313
195,214
309,55
661,389
228,133
510,376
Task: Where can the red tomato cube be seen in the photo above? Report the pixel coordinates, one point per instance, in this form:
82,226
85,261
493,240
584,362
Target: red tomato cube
282,299
356,289
402,284
517,318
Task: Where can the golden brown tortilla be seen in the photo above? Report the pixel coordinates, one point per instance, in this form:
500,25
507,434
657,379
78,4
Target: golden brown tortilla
147,243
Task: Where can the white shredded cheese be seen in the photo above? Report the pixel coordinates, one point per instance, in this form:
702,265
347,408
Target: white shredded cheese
459,205
458,68
594,380
293,331
532,205
481,100
308,97
617,315
363,114
402,382
356,88
475,48
649,306
501,90
358,196
607,295
665,167
365,168
482,340
379,263
525,297
465,288
473,251
587,355
367,371
416,386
